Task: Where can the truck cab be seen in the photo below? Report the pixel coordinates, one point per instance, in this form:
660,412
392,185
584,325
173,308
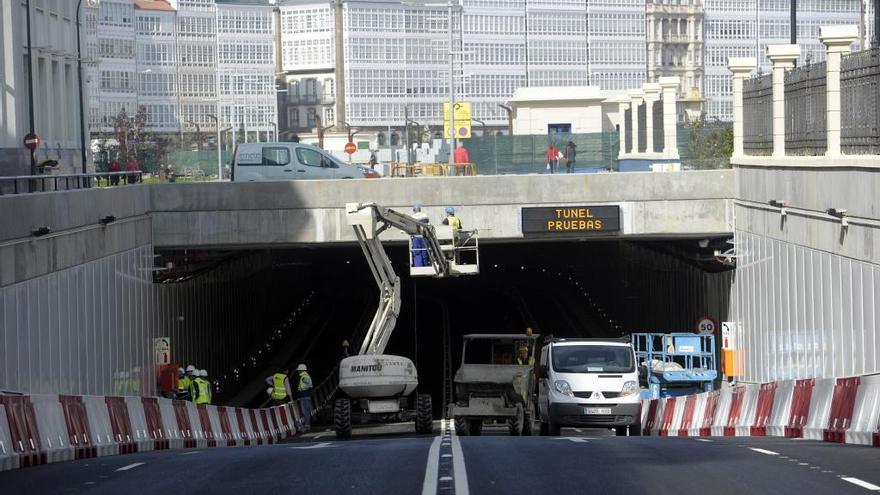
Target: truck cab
592,383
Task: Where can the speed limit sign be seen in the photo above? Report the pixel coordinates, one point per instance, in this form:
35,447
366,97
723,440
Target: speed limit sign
706,326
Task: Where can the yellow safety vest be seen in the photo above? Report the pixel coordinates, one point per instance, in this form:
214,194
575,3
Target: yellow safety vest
454,222
302,386
202,391
279,391
184,383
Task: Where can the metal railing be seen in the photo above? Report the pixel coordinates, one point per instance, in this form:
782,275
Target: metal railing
23,184
758,115
859,96
805,104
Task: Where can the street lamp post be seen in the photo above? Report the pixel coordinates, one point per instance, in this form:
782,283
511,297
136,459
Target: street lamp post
79,70
451,90
27,6
219,157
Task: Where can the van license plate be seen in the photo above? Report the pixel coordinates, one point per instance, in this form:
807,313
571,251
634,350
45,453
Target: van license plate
597,410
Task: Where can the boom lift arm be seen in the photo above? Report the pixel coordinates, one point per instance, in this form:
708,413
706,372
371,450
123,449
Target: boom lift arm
369,220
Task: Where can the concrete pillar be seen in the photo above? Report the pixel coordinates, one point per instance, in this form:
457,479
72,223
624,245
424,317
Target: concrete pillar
670,116
741,68
636,96
622,105
837,41
652,95
783,58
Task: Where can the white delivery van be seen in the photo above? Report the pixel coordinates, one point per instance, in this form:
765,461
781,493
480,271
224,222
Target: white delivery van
290,161
592,383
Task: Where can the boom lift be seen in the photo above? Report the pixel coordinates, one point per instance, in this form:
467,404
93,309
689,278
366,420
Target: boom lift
378,384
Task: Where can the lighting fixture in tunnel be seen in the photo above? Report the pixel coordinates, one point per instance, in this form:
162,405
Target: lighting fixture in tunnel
703,243
778,203
107,220
40,231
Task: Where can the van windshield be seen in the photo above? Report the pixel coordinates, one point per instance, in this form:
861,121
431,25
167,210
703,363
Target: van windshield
592,359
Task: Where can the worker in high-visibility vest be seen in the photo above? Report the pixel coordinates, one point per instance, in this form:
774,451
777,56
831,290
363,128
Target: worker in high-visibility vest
201,388
184,383
280,383
304,395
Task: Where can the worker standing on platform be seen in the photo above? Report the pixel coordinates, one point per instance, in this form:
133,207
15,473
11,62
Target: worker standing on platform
201,388
452,220
280,383
419,248
304,395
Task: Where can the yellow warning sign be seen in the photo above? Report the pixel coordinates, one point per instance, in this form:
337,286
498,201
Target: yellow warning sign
461,128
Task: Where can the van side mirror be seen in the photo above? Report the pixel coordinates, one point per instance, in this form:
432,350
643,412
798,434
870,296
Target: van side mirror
545,370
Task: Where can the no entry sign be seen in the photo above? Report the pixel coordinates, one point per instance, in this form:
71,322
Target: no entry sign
32,141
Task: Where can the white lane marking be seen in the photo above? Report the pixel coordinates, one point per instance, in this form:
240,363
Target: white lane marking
193,452
574,439
706,440
762,451
131,466
458,466
803,464
578,430
316,446
446,455
319,436
446,478
429,486
863,484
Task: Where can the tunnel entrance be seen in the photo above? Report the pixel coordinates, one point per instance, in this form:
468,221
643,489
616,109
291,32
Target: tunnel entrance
303,302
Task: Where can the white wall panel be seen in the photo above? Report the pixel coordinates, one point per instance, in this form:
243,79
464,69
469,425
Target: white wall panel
804,313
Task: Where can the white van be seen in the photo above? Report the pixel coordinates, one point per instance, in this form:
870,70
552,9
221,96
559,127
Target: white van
589,383
290,161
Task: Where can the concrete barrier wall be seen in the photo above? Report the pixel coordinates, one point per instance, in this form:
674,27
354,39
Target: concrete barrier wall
41,429
840,410
298,212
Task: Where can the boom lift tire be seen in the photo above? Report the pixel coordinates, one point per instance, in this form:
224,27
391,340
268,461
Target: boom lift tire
529,422
424,414
635,430
515,424
342,418
462,428
620,431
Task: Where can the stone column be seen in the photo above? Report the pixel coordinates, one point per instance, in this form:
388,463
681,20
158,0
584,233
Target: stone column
670,116
837,41
636,96
652,95
741,68
783,58
622,105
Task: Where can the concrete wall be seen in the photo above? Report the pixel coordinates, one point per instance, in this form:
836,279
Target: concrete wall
298,212
807,290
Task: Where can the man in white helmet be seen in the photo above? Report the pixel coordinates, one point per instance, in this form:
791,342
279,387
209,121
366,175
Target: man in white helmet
304,395
201,388
184,383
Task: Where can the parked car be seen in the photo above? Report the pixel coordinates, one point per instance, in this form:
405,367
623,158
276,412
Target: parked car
289,161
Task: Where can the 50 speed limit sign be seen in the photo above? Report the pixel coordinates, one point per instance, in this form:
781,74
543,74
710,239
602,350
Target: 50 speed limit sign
706,326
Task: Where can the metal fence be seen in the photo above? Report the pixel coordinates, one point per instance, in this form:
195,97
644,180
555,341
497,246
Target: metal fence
859,95
758,115
494,155
24,184
805,103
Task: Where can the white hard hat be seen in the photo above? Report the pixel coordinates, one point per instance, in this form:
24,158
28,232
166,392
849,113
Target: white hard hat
203,373
301,367
190,368
269,391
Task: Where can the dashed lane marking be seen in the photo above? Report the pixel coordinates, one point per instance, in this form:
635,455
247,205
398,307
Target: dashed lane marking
863,484
193,452
131,466
574,439
706,440
316,446
763,451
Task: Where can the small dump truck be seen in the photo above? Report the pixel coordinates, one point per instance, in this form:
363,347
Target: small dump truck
496,382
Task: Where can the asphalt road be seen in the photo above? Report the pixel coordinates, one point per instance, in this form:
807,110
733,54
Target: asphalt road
379,461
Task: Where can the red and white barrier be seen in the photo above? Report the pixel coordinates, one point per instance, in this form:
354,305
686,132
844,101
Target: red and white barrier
780,409
8,455
866,415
